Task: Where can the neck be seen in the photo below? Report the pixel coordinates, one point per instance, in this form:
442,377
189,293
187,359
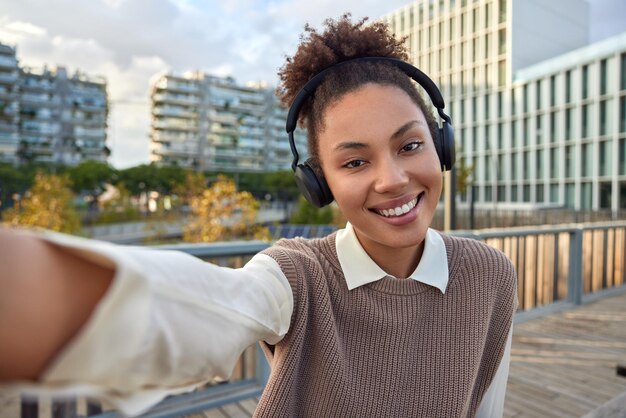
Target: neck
399,262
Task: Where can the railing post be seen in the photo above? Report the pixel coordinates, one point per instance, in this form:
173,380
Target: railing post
575,276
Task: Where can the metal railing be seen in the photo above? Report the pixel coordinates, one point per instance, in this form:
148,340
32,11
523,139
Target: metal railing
558,267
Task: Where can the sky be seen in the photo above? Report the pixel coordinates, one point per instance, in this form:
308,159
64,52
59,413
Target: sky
129,41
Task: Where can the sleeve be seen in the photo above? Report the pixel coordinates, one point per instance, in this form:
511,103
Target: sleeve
168,323
492,404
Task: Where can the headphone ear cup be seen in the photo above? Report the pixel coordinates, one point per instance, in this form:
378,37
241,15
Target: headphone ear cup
313,187
445,147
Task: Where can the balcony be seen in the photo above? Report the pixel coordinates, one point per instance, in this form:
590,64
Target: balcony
175,99
8,61
9,77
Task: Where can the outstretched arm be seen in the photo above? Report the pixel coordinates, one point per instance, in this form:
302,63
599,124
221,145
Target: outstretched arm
46,295
165,323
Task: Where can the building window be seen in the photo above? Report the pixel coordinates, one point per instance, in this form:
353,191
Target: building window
538,95
501,41
488,196
586,154
526,165
570,195
585,82
525,98
554,193
525,133
539,129
501,165
622,114
621,158
500,136
554,163
585,195
487,49
514,196
514,134
452,31
501,73
514,167
474,109
623,72
569,162
605,158
502,11
568,124
474,49
568,86
585,129
553,127
539,164
487,165
605,193
605,119
474,20
486,105
501,193
462,24
539,198
553,91
500,105
474,139
603,77
526,193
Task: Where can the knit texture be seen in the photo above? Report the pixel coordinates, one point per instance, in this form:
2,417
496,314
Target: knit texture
392,348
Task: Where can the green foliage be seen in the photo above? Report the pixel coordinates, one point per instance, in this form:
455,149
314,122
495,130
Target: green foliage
90,176
308,214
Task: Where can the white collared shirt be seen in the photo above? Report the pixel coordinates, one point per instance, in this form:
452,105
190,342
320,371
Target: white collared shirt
154,332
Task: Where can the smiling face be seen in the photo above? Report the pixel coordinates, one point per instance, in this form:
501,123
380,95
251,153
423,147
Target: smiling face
380,162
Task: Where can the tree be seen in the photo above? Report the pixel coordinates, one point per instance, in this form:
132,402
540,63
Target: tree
90,176
308,214
48,204
221,213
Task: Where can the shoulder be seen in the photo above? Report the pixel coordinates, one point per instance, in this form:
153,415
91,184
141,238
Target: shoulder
487,255
475,258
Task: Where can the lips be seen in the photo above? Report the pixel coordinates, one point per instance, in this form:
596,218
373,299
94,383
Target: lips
400,209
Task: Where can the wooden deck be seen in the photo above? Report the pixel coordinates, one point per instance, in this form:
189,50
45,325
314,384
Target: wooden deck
562,365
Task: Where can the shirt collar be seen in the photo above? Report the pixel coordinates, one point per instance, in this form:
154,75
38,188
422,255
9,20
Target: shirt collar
359,269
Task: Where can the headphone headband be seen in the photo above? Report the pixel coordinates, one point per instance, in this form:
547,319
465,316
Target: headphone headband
309,88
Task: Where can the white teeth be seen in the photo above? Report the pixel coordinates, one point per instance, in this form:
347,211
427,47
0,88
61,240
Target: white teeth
401,210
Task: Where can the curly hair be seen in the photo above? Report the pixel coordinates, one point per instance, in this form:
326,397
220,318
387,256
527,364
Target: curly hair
341,41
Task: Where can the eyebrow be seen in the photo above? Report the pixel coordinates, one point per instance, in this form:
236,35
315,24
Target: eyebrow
359,145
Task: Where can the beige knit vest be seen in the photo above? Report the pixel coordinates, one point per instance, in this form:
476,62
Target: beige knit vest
392,348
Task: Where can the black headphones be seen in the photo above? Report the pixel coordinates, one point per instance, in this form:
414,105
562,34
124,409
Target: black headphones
314,187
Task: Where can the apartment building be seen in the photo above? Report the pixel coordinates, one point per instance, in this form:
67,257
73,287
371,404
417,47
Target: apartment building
539,111
9,103
49,116
213,123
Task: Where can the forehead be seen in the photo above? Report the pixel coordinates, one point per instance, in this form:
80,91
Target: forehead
371,111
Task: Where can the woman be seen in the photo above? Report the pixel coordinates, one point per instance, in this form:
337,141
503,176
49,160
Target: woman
383,318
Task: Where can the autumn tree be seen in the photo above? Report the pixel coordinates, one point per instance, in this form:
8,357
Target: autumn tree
221,213
48,204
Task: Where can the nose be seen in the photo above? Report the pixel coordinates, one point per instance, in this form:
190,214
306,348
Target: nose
391,176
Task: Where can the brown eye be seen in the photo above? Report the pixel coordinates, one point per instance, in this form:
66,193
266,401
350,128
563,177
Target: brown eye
412,146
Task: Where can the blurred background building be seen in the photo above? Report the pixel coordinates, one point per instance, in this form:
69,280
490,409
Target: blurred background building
214,123
537,95
48,116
